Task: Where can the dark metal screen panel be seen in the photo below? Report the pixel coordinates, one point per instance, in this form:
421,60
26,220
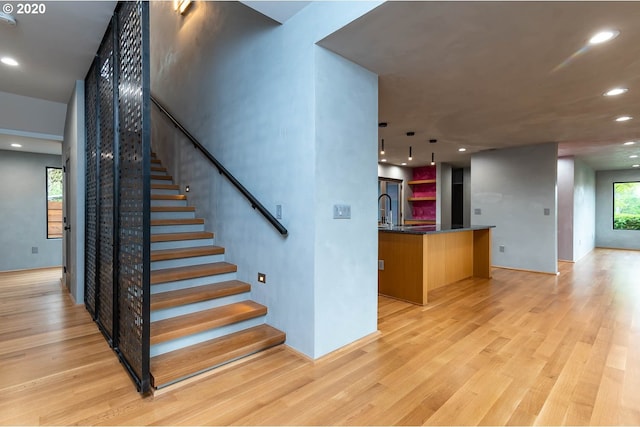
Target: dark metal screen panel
91,218
134,181
106,197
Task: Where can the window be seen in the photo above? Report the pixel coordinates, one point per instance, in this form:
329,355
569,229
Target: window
54,203
626,205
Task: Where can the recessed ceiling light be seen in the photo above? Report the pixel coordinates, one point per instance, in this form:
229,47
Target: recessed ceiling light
383,160
616,91
16,145
604,36
623,118
462,149
629,143
404,163
633,156
9,61
635,166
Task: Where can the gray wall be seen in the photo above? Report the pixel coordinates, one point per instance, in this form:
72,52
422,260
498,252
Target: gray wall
443,194
73,149
606,236
584,210
565,208
17,113
257,95
466,188
23,212
512,187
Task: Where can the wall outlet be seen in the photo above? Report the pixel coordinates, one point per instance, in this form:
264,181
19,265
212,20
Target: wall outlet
341,211
477,211
34,249
501,248
547,211
278,211
262,278
380,264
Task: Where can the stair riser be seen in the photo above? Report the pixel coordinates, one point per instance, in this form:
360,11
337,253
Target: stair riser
190,283
203,305
161,181
178,244
159,173
164,192
173,215
184,262
176,344
168,203
187,228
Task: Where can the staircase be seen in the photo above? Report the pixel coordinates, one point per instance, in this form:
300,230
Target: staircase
201,316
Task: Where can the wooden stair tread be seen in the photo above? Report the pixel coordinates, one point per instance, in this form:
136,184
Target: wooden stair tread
168,197
155,160
191,272
165,187
162,177
198,294
167,254
158,169
170,367
170,237
189,324
178,221
173,208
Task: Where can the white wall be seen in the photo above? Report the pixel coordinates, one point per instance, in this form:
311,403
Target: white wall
73,148
584,210
401,173
23,212
32,116
606,236
512,187
254,92
565,208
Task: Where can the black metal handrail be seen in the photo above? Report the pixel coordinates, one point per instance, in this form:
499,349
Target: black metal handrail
255,204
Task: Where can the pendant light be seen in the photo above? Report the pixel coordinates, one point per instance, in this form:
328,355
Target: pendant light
382,147
433,159
410,153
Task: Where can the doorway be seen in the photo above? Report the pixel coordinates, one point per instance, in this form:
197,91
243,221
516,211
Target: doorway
390,209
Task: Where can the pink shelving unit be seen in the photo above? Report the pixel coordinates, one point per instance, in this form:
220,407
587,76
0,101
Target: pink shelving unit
423,199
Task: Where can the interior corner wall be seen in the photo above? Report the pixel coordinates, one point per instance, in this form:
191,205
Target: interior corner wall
346,275
73,148
23,209
511,188
565,208
606,236
443,196
403,174
466,188
584,209
246,90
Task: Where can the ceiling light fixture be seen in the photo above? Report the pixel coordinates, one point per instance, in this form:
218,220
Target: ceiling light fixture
604,36
433,159
623,118
383,160
181,6
9,19
635,166
404,163
433,141
633,156
616,91
462,150
629,143
410,153
16,145
382,124
382,147
9,61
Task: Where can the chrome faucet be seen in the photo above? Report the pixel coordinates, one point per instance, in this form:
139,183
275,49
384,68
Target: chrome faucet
386,220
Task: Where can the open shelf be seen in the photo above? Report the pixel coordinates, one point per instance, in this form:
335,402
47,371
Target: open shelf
420,199
422,181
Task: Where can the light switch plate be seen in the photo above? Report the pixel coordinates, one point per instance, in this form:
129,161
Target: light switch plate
477,211
341,211
547,211
278,211
380,264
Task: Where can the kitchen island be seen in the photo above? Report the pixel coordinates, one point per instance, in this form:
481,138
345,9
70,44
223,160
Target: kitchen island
416,259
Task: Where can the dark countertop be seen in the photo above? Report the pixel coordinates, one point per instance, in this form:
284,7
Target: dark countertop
431,229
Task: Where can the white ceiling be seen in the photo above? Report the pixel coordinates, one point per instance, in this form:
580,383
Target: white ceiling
486,75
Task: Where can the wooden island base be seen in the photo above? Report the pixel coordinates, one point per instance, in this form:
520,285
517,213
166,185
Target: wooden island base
416,261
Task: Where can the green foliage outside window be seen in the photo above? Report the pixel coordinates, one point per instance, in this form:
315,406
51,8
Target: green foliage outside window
626,206
54,184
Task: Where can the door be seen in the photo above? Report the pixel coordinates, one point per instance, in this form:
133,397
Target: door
66,236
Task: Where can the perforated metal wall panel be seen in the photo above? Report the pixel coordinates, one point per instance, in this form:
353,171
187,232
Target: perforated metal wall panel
91,124
106,197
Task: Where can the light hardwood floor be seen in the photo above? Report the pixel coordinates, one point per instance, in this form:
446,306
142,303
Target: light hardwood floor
519,349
